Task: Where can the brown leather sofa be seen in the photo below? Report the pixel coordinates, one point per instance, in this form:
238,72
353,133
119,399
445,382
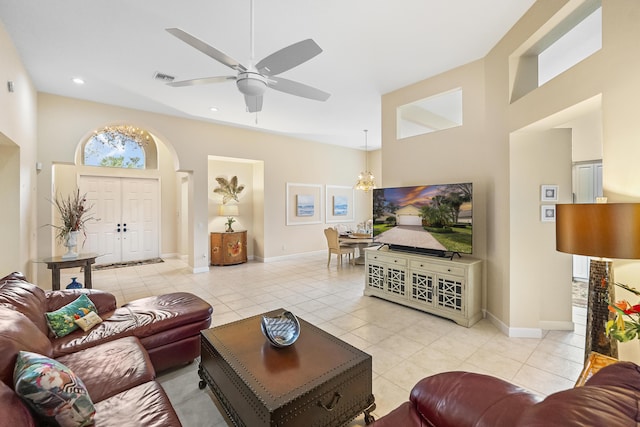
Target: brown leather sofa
117,360
609,398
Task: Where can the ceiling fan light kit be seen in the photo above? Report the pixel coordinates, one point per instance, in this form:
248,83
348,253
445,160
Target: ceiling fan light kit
252,81
251,84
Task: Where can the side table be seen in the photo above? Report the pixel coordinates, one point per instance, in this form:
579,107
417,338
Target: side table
228,248
56,263
594,363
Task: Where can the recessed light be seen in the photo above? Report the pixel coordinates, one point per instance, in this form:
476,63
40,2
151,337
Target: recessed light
77,80
214,109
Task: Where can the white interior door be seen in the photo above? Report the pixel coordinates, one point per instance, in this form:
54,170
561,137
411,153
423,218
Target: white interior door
127,218
587,185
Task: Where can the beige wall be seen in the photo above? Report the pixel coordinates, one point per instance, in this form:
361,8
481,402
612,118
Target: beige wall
64,122
538,274
484,146
587,136
17,163
460,154
228,168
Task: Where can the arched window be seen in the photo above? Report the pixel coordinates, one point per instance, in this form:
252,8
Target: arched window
120,146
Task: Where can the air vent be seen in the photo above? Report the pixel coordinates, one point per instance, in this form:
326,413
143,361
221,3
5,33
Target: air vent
163,77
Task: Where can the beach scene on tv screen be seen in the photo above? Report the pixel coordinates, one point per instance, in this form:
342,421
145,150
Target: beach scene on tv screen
432,217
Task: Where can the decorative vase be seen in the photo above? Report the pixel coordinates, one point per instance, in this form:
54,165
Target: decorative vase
74,284
70,243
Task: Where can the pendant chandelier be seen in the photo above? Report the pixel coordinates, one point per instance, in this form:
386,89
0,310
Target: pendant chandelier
366,178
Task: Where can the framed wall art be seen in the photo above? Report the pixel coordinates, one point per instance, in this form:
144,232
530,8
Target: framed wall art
303,204
549,193
548,213
339,204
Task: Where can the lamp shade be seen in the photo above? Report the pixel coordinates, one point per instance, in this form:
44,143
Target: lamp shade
609,230
228,210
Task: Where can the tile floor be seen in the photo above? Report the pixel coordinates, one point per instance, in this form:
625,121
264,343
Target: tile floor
405,344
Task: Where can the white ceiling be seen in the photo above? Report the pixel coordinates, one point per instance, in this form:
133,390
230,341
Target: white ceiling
370,47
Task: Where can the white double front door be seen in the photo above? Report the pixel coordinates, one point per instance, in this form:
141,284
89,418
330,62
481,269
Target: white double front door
126,225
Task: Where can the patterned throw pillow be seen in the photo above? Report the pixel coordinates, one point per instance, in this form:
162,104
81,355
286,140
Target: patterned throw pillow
62,321
89,321
52,390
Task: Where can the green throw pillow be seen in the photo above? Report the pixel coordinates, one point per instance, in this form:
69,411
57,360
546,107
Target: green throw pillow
62,321
52,390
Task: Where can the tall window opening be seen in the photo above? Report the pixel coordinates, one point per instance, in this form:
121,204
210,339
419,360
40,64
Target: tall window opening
578,43
432,114
561,44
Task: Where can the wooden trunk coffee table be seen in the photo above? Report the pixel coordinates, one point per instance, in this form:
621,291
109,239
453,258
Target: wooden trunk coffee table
320,380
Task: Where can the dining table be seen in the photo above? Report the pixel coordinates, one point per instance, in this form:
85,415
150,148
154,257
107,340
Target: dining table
359,240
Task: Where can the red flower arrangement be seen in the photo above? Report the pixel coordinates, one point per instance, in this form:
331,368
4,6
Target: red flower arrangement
626,324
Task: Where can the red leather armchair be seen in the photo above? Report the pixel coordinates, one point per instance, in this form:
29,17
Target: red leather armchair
461,399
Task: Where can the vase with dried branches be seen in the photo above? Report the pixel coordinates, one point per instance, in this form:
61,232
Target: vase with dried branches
74,213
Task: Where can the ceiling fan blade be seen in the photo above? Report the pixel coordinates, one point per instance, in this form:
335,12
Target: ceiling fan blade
298,89
205,48
201,81
254,103
288,57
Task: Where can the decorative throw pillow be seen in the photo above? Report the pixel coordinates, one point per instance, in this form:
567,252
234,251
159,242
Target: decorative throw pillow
52,390
89,321
62,321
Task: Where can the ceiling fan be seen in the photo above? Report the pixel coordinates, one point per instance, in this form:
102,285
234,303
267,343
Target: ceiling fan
253,80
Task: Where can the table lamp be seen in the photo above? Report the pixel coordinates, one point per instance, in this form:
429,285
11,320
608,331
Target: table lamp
229,211
603,231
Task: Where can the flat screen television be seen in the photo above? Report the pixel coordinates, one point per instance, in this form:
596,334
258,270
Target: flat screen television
432,219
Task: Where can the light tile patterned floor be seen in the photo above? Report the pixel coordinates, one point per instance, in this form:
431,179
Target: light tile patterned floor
406,345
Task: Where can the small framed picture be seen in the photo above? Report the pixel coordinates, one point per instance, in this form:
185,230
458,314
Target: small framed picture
549,193
548,213
303,204
339,204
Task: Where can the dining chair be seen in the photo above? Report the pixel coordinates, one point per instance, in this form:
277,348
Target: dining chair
335,247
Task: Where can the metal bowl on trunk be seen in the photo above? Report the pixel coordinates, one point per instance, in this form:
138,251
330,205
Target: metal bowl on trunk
282,330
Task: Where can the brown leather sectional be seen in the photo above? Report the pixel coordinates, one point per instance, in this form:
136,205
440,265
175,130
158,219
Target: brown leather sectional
117,360
611,397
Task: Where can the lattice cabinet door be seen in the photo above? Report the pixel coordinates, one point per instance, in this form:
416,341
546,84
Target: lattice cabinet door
375,276
396,281
451,293
422,287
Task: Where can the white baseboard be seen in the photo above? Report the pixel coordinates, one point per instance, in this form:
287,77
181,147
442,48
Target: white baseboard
291,256
557,326
525,333
197,270
545,325
169,255
514,332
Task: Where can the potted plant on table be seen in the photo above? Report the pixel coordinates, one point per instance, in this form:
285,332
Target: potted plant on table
229,189
74,213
